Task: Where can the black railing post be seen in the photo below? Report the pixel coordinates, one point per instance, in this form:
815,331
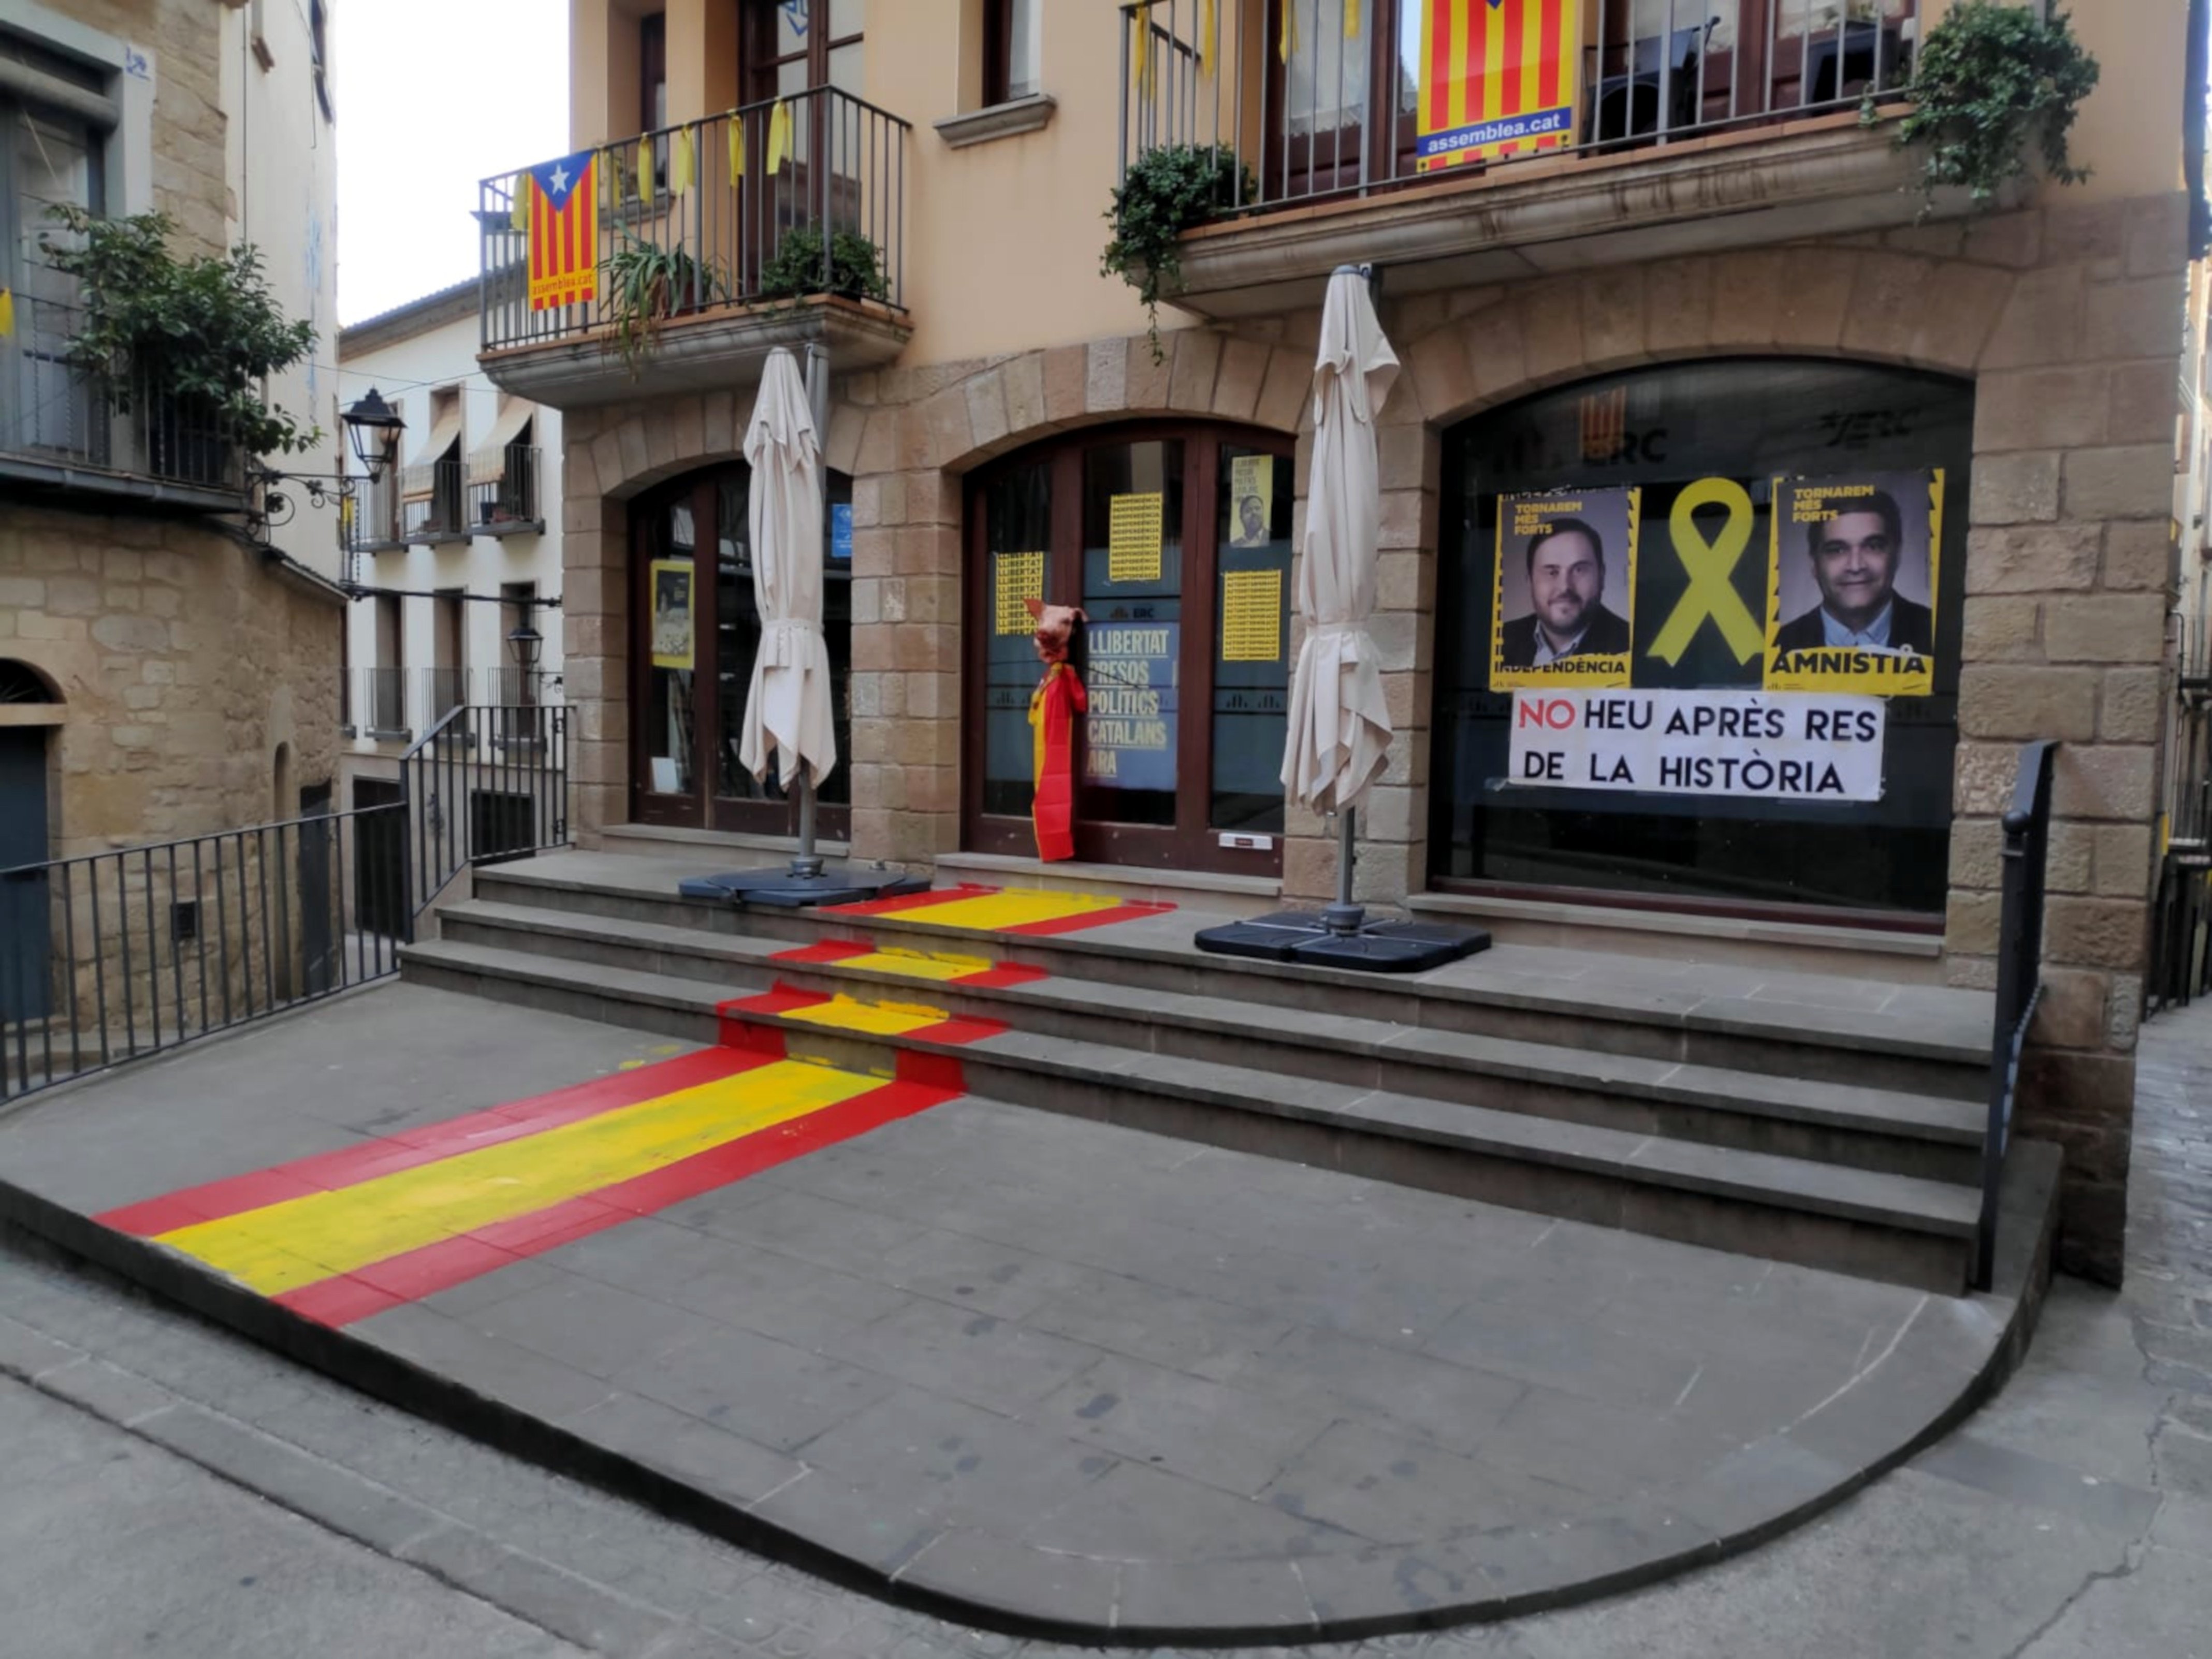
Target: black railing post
2023,861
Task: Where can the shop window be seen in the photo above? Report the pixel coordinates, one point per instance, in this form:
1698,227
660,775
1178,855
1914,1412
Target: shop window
1772,542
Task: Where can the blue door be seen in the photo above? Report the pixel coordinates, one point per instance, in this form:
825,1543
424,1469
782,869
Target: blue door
24,922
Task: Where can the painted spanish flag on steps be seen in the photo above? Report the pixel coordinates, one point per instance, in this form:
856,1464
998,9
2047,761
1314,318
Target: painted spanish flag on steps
1498,77
344,1235
1032,913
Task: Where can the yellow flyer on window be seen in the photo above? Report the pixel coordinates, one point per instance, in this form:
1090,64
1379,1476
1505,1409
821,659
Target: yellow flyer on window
1564,589
1851,597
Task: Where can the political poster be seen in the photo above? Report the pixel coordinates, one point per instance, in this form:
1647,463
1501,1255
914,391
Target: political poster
671,613
1129,734
1498,77
1744,744
1565,587
1851,587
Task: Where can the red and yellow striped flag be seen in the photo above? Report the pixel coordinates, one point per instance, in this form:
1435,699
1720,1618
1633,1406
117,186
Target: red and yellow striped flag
564,232
1499,77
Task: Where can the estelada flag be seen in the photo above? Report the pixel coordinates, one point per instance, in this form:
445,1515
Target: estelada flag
1498,77
564,232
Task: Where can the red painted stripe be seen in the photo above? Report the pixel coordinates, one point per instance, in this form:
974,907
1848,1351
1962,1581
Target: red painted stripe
1090,920
440,1267
891,907
1004,977
349,1166
1477,60
1511,100
828,950
1438,91
958,1031
1552,70
783,999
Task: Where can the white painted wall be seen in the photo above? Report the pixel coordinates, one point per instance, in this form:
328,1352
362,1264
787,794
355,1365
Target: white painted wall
407,372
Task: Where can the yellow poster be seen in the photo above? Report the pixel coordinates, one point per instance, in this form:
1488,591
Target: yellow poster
1851,597
1252,616
1251,500
1133,548
671,613
1019,578
1564,589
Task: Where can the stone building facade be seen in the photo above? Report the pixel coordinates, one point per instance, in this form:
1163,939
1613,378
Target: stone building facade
2050,331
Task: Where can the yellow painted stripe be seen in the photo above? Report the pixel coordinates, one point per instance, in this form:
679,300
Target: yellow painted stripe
877,1019
989,912
918,964
281,1246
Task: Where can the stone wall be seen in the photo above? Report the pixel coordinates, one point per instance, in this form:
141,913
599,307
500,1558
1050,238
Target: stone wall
2067,318
182,662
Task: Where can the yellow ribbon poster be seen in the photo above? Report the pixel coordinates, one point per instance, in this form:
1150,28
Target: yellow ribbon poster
1564,589
1850,603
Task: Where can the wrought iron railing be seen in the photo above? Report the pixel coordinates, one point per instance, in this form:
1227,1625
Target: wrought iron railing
510,501
1317,115
370,522
70,428
2020,977
2181,920
444,690
115,956
376,702
784,199
433,502
484,785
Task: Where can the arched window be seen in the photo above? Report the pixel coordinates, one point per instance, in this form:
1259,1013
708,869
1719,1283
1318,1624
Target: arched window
1731,474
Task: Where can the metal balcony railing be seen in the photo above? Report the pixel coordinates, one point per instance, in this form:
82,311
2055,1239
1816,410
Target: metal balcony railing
779,201
370,523
376,702
1334,116
510,501
444,690
432,503
62,426
518,688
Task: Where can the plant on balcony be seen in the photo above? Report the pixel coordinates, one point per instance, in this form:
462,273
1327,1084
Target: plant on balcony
1990,79
187,344
1168,192
647,285
795,271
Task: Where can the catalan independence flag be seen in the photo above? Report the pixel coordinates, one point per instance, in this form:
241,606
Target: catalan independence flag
1499,77
564,232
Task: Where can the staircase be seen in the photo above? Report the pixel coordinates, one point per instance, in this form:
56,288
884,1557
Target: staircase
1828,1121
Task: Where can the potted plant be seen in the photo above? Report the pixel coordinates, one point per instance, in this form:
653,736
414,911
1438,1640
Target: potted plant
795,270
1991,79
184,346
1168,192
647,285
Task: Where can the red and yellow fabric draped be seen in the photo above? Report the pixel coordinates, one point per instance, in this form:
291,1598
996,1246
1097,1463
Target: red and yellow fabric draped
1059,698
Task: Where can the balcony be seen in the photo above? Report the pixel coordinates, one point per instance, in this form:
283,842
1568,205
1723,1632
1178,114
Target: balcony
64,432
375,703
1740,128
503,493
809,250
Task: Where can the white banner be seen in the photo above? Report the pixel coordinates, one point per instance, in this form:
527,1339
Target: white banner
1784,745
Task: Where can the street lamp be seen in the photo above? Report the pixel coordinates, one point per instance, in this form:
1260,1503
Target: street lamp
526,642
374,428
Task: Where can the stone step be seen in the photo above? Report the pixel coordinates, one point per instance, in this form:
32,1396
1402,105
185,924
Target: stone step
1837,1123
1923,1039
1878,1225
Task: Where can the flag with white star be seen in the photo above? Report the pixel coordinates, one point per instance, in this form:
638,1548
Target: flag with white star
564,232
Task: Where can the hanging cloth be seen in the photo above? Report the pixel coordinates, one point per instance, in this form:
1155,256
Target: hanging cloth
1059,698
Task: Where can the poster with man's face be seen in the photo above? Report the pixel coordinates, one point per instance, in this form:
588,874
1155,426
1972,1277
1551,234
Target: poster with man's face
1566,578
1851,591
671,613
1251,499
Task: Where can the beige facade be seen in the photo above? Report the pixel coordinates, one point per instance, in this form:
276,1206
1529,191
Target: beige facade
2062,312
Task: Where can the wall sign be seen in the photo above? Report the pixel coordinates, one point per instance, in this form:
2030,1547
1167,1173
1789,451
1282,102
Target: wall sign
1129,735
1746,744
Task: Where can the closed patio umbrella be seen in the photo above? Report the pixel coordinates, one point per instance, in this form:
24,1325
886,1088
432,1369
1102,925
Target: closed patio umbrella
787,714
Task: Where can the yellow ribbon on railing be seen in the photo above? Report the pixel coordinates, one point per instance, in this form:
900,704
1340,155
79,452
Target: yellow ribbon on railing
644,169
779,136
1287,47
1352,20
7,313
737,145
679,160
518,213
1140,55
1205,34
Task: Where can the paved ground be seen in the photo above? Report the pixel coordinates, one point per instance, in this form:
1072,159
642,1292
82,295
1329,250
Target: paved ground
2072,1519
1048,1364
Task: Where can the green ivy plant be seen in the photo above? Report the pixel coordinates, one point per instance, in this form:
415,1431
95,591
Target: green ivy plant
646,285
1990,79
794,272
1167,190
201,335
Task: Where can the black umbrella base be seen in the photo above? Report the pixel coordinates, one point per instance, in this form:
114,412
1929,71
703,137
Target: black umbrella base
1305,938
782,890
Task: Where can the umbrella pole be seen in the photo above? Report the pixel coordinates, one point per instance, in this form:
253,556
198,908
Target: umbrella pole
806,863
1343,916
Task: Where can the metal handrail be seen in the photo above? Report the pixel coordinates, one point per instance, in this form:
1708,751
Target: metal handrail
2019,978
485,784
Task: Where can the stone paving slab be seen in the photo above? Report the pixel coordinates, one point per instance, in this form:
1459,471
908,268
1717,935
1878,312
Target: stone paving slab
1063,1377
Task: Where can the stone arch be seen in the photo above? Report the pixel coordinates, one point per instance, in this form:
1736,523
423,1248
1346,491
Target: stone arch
1494,346
25,684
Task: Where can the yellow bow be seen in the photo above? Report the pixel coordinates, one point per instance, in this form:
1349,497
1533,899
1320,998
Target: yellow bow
779,136
737,146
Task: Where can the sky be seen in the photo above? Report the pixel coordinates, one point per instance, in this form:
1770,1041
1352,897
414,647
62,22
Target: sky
433,96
